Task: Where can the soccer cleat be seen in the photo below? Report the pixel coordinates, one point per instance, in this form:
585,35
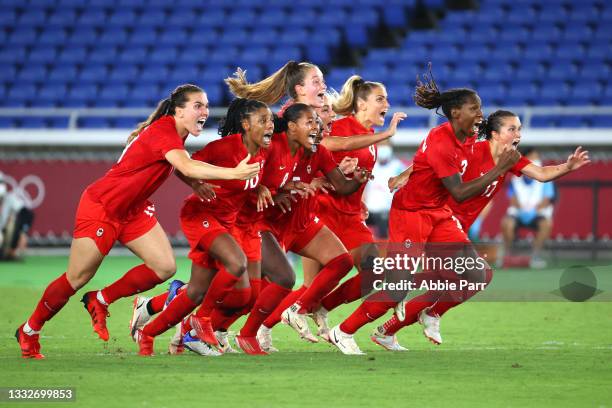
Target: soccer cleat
298,322
249,345
344,341
98,313
204,330
537,262
175,285
140,314
387,342
194,344
400,310
264,337
176,345
224,343
145,343
431,326
30,347
320,319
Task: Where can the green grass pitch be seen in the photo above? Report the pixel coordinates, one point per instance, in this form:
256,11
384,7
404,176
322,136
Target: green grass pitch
512,354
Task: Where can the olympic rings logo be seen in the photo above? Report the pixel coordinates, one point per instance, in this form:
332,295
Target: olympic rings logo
23,188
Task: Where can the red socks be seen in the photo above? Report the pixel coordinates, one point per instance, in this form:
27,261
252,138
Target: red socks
179,308
275,317
348,292
413,309
325,281
53,299
232,305
220,285
157,303
138,279
450,299
371,309
267,301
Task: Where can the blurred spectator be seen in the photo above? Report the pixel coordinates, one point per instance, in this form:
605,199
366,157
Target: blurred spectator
377,196
15,222
531,206
474,232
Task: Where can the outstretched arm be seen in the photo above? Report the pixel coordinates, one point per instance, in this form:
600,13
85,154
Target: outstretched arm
575,161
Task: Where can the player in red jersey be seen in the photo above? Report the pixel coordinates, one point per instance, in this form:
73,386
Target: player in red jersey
419,213
500,130
116,207
217,260
364,105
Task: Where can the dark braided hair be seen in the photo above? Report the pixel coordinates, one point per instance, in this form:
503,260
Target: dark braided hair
238,110
291,114
428,96
493,123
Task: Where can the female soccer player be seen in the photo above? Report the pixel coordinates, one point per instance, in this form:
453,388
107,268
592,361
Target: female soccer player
500,130
218,262
364,105
419,213
116,207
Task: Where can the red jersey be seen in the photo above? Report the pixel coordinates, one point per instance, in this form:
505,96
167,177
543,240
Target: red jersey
307,169
140,170
280,165
231,194
480,162
346,127
440,155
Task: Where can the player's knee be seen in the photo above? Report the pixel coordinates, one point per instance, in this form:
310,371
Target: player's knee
79,278
236,265
286,280
165,269
195,293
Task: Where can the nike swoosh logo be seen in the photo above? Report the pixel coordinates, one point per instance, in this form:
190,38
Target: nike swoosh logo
335,338
282,167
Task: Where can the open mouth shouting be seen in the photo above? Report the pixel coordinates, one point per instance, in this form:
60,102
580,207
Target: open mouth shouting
476,126
200,123
515,143
267,139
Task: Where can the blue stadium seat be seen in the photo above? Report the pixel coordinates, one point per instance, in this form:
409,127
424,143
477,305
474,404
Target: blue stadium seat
7,18
113,36
333,17
8,73
84,36
93,73
122,18
57,122
242,17
174,36
93,17
93,122
544,121
21,92
143,36
50,95
565,71
31,122
302,18
193,55
265,36
273,17
103,55
114,93
165,55
152,18
34,73
124,73
62,18
365,16
293,36
62,73
223,55
235,37
154,73
537,50
395,16
12,55
127,122
577,32
553,93
74,55
23,36
133,55
595,72
546,32
553,14
415,122
213,18
319,54
601,121
32,17
356,36
6,122
42,55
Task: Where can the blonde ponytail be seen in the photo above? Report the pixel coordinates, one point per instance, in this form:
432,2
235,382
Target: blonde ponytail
354,88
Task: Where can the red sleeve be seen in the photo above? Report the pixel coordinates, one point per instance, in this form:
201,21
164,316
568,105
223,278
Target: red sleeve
520,165
325,161
441,156
340,128
164,138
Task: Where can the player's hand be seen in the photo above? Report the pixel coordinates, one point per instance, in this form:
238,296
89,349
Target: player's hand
283,201
395,183
508,158
264,198
205,191
304,189
348,165
322,184
395,120
245,171
362,175
578,159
